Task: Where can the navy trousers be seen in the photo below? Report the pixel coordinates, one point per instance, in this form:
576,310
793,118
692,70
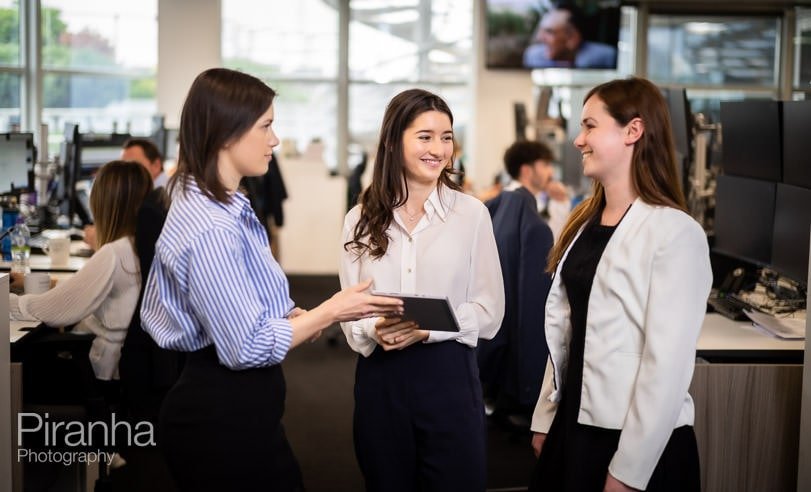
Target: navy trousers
419,421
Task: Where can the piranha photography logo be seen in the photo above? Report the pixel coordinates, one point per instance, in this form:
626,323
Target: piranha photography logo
42,440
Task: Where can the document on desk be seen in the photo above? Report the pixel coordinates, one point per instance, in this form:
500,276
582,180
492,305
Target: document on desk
788,328
18,329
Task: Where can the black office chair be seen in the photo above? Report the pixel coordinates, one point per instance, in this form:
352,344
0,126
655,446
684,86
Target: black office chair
59,386
147,371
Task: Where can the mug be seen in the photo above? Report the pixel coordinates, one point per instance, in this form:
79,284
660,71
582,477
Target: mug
58,250
37,282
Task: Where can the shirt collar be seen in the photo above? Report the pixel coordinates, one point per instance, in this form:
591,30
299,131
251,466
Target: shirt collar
439,205
238,206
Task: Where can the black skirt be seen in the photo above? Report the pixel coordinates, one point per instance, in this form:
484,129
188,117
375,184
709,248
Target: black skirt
221,429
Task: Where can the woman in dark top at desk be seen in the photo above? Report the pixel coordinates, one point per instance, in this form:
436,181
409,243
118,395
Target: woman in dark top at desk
215,291
624,312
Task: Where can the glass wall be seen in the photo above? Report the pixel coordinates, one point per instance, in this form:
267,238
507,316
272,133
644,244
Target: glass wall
717,58
11,65
802,46
393,45
99,63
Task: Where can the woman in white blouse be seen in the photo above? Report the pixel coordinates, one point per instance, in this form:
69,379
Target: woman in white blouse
101,297
419,418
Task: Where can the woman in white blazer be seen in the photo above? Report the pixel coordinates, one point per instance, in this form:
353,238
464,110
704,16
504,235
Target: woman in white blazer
631,279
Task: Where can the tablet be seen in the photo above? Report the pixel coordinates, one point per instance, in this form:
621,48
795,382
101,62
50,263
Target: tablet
430,313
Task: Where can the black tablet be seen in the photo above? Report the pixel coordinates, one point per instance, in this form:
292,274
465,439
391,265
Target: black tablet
430,313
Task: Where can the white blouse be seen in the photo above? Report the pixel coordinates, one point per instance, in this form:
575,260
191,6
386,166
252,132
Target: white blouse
101,297
450,253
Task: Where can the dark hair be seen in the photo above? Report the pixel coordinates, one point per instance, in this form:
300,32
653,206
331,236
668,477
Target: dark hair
653,162
222,105
389,189
119,190
576,17
149,148
525,153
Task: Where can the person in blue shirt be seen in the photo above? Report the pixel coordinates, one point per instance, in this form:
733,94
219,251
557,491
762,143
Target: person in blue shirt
215,291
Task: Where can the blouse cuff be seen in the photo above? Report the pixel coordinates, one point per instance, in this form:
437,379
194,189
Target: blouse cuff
16,310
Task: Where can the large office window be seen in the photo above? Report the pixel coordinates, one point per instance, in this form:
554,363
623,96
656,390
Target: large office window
717,58
99,62
713,51
396,45
296,54
802,65
393,45
11,67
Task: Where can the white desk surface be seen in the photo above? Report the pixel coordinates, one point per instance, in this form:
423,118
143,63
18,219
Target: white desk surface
15,329
723,334
42,263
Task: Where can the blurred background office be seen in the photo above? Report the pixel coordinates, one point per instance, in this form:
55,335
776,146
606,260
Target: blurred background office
98,73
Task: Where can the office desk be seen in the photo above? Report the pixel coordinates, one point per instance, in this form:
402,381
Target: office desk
746,388
724,340
41,263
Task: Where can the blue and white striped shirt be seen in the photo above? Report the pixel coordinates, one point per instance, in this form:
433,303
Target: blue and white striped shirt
213,280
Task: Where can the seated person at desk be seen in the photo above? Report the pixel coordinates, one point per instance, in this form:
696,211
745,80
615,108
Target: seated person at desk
104,293
144,152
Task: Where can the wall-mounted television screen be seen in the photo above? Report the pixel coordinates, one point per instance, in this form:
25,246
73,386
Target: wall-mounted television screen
529,34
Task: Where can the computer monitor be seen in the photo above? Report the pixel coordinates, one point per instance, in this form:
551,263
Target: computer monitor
17,156
521,121
70,156
99,149
744,218
172,143
751,139
792,226
796,143
681,121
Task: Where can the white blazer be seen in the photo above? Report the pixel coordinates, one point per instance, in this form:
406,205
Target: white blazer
645,311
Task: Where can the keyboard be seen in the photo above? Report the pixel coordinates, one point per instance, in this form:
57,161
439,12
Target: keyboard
730,307
37,241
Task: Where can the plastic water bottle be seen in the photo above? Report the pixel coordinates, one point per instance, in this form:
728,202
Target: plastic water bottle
20,249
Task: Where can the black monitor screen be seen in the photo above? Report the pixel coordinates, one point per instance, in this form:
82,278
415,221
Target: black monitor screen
796,143
16,159
752,144
681,121
744,218
792,226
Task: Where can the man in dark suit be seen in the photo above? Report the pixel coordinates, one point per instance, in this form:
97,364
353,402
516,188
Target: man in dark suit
512,364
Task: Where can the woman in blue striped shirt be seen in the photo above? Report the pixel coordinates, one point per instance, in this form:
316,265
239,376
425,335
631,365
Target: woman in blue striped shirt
215,291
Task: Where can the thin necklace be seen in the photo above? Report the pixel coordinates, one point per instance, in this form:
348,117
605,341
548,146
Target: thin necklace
411,217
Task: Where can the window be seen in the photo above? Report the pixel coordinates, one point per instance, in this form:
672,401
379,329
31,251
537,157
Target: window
713,50
398,45
410,40
802,66
393,45
11,68
99,61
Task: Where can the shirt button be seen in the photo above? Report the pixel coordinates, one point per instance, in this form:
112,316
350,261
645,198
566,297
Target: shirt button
409,270
410,240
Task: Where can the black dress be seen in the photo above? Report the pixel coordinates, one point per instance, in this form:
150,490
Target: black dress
575,457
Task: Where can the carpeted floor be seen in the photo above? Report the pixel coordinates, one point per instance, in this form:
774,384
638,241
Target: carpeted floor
318,418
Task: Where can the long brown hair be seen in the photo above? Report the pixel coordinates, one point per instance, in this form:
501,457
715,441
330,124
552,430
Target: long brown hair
389,189
118,191
222,105
653,162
